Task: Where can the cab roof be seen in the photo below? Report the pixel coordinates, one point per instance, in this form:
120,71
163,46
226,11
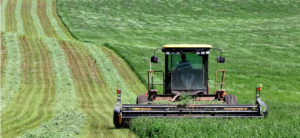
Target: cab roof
187,46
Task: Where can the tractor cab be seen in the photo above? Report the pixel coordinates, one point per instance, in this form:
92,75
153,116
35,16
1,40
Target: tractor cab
186,68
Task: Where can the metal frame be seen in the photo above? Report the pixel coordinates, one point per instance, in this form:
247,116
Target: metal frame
152,84
130,111
222,82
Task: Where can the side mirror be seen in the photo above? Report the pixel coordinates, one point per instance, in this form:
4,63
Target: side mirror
221,59
154,59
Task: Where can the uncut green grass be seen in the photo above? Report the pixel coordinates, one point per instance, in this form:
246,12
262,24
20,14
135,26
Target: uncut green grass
260,40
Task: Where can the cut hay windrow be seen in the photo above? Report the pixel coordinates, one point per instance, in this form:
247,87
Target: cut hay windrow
3,11
36,21
68,120
33,103
3,59
91,87
54,21
19,20
10,16
27,19
12,69
44,20
58,77
58,19
110,74
130,78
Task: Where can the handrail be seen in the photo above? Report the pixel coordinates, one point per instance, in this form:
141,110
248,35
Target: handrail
223,80
152,84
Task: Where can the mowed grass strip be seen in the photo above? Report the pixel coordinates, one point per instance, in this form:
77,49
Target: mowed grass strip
28,22
58,19
3,58
33,103
129,77
111,75
10,16
36,21
54,21
3,20
93,90
20,28
44,19
68,120
10,67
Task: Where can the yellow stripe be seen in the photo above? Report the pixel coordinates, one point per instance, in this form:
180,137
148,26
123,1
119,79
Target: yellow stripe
187,46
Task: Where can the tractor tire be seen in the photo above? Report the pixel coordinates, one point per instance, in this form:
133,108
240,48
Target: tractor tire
231,100
142,99
116,120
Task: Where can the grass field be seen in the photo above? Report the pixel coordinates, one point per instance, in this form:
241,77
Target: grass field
60,83
260,40
52,85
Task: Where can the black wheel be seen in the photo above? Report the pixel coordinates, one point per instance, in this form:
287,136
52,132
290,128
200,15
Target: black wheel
117,120
231,100
142,99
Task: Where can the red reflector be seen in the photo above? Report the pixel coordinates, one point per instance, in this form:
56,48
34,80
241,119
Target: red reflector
119,91
257,88
146,93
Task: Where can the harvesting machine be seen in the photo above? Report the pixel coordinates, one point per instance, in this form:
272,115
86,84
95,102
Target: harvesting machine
186,74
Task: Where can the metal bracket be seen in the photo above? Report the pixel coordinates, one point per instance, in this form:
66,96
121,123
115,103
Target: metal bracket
261,104
118,99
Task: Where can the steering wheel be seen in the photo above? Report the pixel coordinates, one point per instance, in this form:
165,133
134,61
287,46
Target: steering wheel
185,68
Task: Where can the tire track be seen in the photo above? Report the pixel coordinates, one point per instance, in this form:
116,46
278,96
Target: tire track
77,72
36,94
130,78
10,111
3,11
12,69
32,57
36,21
92,89
59,21
10,12
112,76
19,20
44,20
3,59
68,120
54,21
31,104
16,121
39,19
95,76
27,19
